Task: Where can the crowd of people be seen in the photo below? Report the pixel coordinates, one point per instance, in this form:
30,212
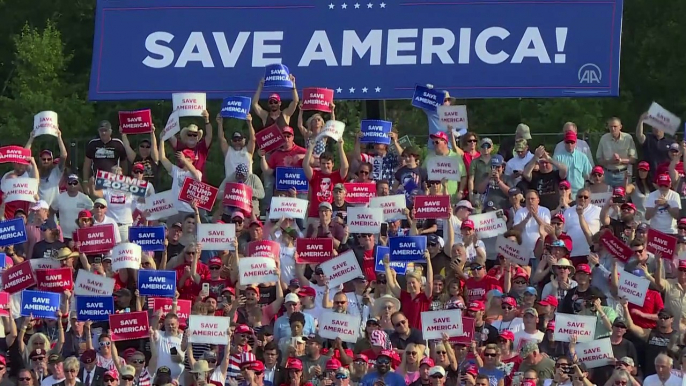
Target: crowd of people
543,193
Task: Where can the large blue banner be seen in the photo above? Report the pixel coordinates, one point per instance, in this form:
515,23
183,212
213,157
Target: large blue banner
361,49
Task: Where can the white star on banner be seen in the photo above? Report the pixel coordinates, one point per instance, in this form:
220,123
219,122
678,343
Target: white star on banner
352,90
344,6
331,6
364,89
382,5
357,5
378,89
369,5
339,90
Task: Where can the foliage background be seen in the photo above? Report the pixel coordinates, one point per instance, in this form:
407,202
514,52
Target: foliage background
45,59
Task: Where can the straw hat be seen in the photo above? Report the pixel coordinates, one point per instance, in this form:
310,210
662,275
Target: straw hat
192,129
65,253
201,366
565,263
381,302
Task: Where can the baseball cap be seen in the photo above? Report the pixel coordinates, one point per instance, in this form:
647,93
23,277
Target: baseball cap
112,374
253,287
619,322
664,313
528,348
520,145
287,129
497,160
570,136
72,177
426,361
531,311
507,335
513,192
583,268
598,169
333,363
138,167
558,216
464,204
628,205
565,185
476,305
440,135
628,360
256,222
549,300
510,301
643,165
294,283
467,224
437,370
619,191
55,358
238,214
325,205
275,97
243,329
339,187
41,204
89,356
531,291
215,262
486,142
664,180
291,298
307,291
100,201
673,147
237,135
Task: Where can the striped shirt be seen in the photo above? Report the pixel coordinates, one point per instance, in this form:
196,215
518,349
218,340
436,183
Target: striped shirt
144,379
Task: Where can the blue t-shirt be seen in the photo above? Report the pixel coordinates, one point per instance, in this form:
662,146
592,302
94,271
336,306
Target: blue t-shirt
494,376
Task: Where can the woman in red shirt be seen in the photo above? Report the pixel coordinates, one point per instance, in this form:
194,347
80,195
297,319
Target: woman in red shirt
413,301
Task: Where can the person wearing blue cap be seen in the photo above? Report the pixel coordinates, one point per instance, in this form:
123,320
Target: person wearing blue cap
495,190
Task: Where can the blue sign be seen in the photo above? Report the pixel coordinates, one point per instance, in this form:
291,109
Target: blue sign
40,304
157,283
407,248
376,131
12,232
427,98
400,267
3,261
149,238
287,178
362,50
277,76
94,308
236,107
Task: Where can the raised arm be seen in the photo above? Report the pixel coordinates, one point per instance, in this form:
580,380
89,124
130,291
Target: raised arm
290,110
392,284
250,146
168,166
130,153
640,136
209,134
307,168
345,166
256,102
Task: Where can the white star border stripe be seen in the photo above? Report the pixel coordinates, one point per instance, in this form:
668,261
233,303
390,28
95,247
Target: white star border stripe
357,5
351,90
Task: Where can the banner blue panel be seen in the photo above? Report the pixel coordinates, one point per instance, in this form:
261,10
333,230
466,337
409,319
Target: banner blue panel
361,49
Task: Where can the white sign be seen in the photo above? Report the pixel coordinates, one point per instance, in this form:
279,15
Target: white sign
454,116
393,206
489,224
208,329
126,255
364,220
91,284
341,269
597,353
440,167
633,287
45,123
567,325
160,205
511,250
216,237
19,189
436,323
660,118
172,127
189,104
257,270
288,207
334,325
333,130
44,263
599,199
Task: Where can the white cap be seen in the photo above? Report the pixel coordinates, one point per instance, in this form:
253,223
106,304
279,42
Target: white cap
464,204
40,205
437,370
100,201
291,298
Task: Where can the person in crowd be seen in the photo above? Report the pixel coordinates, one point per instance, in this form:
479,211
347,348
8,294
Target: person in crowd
663,206
186,169
148,155
69,204
275,115
581,144
616,152
104,152
546,180
238,151
51,170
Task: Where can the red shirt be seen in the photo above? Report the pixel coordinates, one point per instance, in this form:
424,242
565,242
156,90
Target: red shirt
201,152
217,286
413,308
287,158
467,159
510,367
371,356
477,289
118,282
652,305
11,207
369,265
321,189
190,290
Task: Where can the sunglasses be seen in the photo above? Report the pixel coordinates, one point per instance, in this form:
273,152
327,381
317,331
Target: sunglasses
258,373
215,268
363,172
340,302
664,317
190,253
99,206
71,371
582,197
383,361
433,244
37,359
127,378
437,376
73,183
381,281
192,135
341,376
273,102
24,379
211,361
105,344
360,362
563,268
441,352
519,282
237,139
138,172
109,380
137,361
46,159
471,141
490,354
144,146
508,308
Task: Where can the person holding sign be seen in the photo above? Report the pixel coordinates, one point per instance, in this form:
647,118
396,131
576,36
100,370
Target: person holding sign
191,138
311,129
441,148
243,175
323,180
148,156
413,301
274,115
49,186
28,170
179,173
104,152
237,152
384,162
120,204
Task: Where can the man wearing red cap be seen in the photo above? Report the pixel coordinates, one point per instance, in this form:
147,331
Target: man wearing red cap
622,227
441,148
546,180
424,366
50,170
322,181
274,115
663,206
179,173
571,155
581,145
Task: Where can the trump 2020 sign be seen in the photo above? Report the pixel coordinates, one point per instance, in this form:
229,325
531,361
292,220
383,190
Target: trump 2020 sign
362,49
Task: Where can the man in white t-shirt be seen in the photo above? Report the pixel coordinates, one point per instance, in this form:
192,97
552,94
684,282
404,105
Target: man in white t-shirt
56,368
528,219
100,218
590,214
663,206
68,204
50,171
530,333
515,166
664,375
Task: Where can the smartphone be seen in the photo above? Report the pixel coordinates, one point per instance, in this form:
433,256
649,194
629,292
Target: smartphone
384,229
97,260
206,287
618,199
173,351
